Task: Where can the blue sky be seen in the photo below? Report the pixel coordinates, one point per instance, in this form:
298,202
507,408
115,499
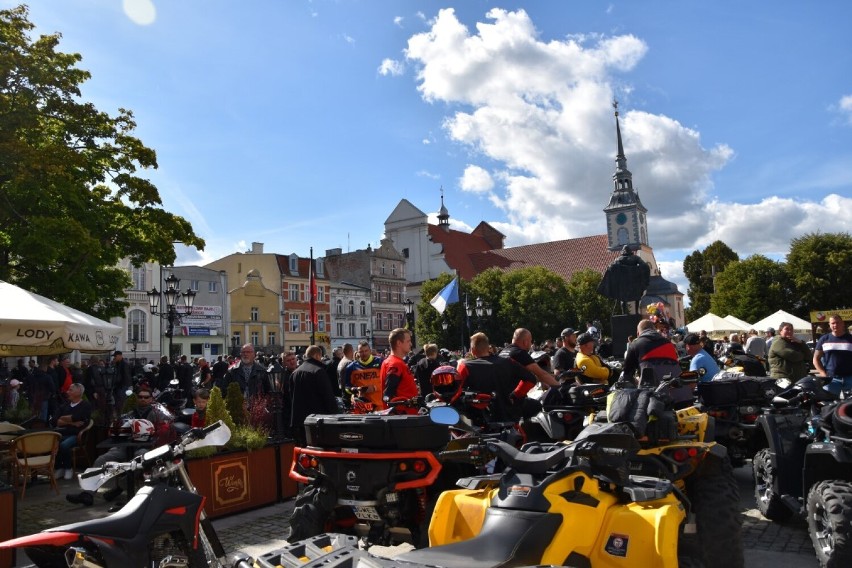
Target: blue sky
302,123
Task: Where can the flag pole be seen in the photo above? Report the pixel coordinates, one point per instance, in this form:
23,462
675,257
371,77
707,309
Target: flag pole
313,298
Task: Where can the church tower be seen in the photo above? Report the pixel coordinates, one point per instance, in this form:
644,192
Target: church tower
443,214
625,214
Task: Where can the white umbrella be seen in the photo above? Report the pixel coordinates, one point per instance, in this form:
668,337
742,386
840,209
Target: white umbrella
711,323
34,325
744,324
774,321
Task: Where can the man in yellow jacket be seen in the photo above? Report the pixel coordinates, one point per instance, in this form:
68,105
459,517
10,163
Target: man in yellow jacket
595,368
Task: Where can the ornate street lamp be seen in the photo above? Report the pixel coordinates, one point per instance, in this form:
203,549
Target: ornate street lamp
172,312
480,309
409,318
369,339
235,347
276,406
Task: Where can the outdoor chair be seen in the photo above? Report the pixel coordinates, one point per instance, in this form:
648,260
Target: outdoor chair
8,432
32,454
81,450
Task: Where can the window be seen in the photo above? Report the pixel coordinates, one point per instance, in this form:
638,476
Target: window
255,338
622,236
193,285
271,338
351,330
136,322
379,321
388,294
320,264
255,313
137,275
351,307
320,322
363,330
196,349
294,264
212,287
378,294
239,338
383,268
399,320
294,292
339,329
294,323
363,308
389,321
339,306
395,296
393,268
321,294
405,252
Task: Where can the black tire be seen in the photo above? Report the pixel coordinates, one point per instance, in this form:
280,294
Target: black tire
830,522
768,501
689,562
307,519
715,499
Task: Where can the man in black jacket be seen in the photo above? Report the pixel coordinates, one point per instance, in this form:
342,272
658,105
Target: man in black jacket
166,374
310,393
424,367
251,375
653,351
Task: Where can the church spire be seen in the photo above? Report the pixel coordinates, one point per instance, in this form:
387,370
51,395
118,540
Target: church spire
443,214
625,214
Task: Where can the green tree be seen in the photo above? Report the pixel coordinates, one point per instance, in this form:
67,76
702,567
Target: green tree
489,286
537,299
585,303
428,326
820,267
71,202
752,289
700,268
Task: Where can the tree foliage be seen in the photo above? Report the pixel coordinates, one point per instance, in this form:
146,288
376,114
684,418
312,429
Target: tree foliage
752,289
700,268
71,202
585,304
820,267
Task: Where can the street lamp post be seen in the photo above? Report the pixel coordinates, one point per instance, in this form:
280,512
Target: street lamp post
134,343
235,348
409,318
480,309
369,339
172,312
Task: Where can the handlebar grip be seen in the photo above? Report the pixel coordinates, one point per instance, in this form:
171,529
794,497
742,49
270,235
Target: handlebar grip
92,473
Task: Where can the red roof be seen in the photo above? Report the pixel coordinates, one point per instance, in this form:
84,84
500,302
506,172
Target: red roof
458,248
562,257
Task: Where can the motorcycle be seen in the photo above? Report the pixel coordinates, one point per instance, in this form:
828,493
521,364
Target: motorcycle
555,504
162,526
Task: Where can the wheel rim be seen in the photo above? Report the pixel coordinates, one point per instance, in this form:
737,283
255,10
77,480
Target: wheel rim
763,485
823,534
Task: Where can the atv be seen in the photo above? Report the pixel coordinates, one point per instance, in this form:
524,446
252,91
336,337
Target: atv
806,467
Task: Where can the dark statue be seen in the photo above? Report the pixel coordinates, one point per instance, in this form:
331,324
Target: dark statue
627,278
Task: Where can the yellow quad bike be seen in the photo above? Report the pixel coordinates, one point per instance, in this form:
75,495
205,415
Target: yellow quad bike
555,504
679,445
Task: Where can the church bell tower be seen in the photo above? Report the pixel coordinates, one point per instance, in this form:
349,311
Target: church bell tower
625,214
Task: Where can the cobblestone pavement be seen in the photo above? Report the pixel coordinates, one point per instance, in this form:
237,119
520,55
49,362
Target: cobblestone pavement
766,544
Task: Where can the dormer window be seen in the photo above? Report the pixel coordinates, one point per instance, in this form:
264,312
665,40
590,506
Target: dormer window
294,264
320,267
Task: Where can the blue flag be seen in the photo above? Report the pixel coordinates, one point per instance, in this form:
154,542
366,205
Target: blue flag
449,295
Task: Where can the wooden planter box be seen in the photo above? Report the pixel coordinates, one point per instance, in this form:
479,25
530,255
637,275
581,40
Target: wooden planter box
8,524
236,481
289,488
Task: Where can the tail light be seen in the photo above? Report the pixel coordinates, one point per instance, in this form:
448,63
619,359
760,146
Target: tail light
308,462
417,466
680,455
719,413
749,414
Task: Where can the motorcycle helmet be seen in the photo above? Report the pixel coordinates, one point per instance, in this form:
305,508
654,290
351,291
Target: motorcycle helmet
842,418
142,430
445,381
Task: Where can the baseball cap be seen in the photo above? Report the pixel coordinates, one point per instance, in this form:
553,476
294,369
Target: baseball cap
585,338
691,339
770,330
568,331
14,383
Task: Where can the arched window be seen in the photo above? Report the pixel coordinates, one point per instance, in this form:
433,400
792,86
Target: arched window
622,236
339,306
351,307
136,326
363,308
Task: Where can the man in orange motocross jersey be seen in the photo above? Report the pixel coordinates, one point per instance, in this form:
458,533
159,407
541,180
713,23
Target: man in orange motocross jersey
397,379
365,371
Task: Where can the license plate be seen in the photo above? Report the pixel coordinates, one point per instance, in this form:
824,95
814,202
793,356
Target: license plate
367,513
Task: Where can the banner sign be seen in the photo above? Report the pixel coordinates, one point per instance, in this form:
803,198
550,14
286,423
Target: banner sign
822,316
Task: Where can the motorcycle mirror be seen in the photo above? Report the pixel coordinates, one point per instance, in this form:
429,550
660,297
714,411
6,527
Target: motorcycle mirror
128,392
174,382
780,401
188,411
444,415
783,383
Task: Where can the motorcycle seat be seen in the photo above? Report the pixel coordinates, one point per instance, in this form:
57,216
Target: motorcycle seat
527,462
508,538
123,524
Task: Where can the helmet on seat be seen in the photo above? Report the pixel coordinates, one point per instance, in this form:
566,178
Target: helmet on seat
141,430
445,381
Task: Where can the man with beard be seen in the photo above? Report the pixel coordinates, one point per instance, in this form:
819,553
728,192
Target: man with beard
365,371
565,356
249,374
518,351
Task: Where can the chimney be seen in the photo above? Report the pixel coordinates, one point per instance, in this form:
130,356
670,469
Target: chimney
257,248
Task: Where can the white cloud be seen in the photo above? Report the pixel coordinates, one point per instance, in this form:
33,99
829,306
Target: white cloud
476,180
398,21
845,107
348,39
140,12
428,174
391,67
541,110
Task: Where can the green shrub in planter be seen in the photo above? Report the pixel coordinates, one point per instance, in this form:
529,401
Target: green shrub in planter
236,403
